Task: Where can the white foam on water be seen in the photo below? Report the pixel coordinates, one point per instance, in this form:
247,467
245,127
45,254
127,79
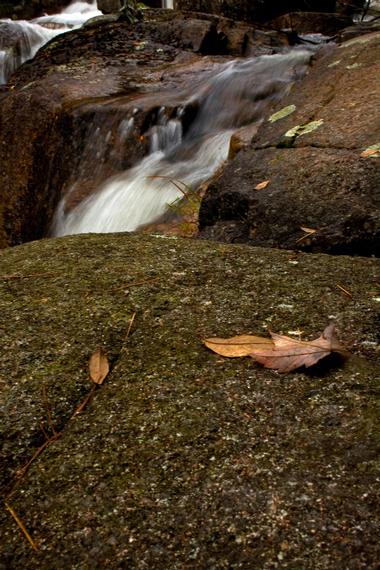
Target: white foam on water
235,96
28,40
29,37
142,193
74,16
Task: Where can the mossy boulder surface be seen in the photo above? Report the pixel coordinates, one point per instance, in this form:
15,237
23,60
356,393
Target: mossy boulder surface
184,459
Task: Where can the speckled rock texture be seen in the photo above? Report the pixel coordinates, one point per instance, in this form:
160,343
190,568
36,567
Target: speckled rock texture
320,153
184,459
89,77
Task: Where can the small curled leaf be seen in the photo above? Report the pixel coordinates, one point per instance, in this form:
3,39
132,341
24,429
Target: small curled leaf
98,366
262,185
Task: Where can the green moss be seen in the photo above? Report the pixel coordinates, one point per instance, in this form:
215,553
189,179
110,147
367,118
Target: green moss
184,452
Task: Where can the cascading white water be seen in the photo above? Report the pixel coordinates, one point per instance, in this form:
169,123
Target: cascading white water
73,16
236,96
142,193
20,40
28,40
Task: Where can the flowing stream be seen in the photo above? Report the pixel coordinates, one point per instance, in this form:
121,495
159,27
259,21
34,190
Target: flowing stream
20,40
235,96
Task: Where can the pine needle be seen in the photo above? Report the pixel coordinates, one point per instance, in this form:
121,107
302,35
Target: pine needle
21,526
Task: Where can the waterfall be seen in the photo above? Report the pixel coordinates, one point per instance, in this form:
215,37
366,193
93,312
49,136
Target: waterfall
73,16
20,40
28,38
236,95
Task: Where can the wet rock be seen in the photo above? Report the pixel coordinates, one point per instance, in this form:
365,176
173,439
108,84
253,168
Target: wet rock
319,152
211,34
183,458
109,6
312,22
350,7
52,99
360,29
19,41
9,35
196,34
100,77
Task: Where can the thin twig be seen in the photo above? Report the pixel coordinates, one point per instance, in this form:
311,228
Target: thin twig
344,290
131,320
186,191
21,472
85,402
306,235
21,526
44,431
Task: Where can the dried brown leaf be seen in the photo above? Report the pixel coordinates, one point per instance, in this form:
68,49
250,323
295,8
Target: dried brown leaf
262,185
288,354
236,346
98,366
369,152
308,230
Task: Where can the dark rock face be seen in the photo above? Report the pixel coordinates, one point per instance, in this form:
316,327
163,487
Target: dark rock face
109,6
263,11
319,156
311,22
27,9
349,7
360,29
184,459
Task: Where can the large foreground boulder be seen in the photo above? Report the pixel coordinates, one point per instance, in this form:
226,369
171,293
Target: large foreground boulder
314,164
184,459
